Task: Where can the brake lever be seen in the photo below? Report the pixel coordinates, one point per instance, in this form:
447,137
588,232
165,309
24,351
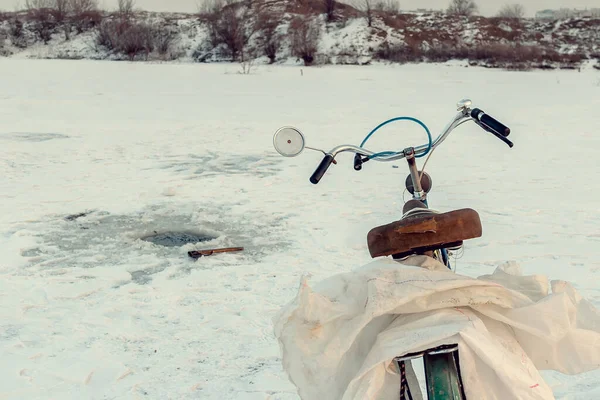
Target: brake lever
493,132
359,161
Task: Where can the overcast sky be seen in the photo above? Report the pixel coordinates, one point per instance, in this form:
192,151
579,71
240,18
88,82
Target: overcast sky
486,7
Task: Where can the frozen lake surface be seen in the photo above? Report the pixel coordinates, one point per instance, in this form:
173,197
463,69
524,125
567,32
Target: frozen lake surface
89,310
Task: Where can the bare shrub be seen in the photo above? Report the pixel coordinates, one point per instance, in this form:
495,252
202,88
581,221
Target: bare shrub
329,7
493,52
3,37
86,20
511,56
163,40
35,4
462,7
61,9
17,34
210,12
106,35
43,23
84,14
230,23
83,6
66,14
400,53
57,8
269,38
595,56
563,13
127,38
517,56
512,11
227,27
126,8
304,39
366,8
446,52
369,8
387,6
38,4
50,14
247,66
346,55
207,7
133,39
136,39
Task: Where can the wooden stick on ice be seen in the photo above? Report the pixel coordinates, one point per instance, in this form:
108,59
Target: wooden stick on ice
205,253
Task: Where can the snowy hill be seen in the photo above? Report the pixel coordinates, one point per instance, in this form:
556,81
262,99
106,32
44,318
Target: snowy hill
282,32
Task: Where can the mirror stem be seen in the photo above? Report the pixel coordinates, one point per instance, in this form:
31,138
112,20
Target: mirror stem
319,150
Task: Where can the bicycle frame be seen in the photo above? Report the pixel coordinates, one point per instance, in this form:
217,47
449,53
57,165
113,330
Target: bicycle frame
442,369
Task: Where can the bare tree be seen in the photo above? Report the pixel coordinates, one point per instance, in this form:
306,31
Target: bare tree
17,35
387,6
366,7
513,11
83,6
3,37
164,40
44,17
563,13
126,7
38,4
57,8
62,8
227,27
51,14
369,7
462,7
305,39
329,6
206,7
85,14
269,37
231,23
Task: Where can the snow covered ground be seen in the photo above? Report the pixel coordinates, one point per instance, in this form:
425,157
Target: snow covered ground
88,310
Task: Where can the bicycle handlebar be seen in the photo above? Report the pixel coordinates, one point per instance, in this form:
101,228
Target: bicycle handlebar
465,114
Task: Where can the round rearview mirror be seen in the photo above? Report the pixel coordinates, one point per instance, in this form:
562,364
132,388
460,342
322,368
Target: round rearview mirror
288,141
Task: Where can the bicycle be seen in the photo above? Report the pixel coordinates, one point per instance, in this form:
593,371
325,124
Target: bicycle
420,230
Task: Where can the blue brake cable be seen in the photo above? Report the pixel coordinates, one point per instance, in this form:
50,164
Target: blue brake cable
390,153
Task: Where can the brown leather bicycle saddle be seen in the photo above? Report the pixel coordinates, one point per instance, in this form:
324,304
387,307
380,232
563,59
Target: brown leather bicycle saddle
422,230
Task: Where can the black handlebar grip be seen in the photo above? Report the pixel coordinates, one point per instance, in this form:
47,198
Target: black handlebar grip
321,169
490,122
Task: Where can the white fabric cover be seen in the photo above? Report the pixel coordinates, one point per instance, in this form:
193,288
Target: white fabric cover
339,338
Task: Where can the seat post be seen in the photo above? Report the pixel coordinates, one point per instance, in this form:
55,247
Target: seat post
419,193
